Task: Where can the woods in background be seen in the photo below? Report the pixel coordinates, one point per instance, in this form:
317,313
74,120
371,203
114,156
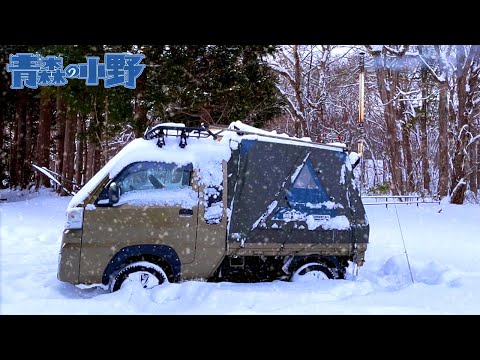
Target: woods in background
75,129
422,108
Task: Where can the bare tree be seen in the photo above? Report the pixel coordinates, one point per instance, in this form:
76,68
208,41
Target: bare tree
423,124
289,67
388,74
467,81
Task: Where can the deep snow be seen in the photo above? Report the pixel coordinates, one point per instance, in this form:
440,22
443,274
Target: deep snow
442,247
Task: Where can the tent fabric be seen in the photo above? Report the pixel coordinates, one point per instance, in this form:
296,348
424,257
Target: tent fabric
260,191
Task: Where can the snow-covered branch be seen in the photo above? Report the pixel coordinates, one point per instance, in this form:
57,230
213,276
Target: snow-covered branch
282,71
473,140
400,52
438,78
292,106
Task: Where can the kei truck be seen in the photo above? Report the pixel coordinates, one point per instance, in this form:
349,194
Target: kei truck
220,204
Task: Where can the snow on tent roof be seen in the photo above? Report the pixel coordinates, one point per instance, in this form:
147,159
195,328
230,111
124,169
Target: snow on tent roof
272,136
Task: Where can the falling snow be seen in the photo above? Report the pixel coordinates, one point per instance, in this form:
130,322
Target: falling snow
441,246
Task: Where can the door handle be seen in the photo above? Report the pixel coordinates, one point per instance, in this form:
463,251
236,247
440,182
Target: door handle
185,212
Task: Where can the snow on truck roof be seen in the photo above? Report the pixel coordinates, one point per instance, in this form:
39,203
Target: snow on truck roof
204,153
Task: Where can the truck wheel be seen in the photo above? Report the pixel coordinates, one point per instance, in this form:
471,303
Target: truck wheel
311,272
145,273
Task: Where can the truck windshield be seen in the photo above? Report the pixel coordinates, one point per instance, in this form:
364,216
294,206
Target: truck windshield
153,175
150,179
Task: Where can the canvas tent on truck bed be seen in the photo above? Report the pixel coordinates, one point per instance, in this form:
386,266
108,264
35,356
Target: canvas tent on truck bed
236,204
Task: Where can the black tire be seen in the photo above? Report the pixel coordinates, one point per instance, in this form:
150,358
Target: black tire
312,271
149,275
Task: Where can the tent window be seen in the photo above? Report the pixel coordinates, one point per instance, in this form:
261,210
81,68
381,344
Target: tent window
305,180
307,187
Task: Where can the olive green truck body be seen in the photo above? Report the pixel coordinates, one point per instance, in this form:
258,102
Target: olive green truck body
241,207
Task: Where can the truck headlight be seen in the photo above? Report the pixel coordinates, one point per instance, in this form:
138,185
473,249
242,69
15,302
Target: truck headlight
74,219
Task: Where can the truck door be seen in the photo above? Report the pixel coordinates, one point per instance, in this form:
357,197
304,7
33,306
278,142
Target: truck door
211,230
157,205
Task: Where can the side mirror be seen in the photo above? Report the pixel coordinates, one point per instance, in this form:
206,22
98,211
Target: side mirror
354,165
113,193
354,159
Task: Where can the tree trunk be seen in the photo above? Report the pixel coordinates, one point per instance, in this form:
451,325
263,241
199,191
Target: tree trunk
140,111
393,150
388,79
295,102
89,162
60,134
97,164
79,153
443,140
18,155
1,127
410,184
3,154
12,157
92,140
459,180
389,113
376,177
406,150
473,180
424,134
43,143
362,175
384,171
93,157
105,145
28,146
477,168
68,150
301,126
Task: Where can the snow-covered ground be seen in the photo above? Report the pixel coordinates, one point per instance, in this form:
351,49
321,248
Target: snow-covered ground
442,248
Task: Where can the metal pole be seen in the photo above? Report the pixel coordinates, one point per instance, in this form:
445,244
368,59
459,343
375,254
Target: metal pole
361,92
361,115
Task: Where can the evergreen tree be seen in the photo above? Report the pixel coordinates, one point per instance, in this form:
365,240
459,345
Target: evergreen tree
70,128
213,84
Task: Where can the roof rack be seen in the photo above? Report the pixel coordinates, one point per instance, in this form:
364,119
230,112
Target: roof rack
160,131
273,136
